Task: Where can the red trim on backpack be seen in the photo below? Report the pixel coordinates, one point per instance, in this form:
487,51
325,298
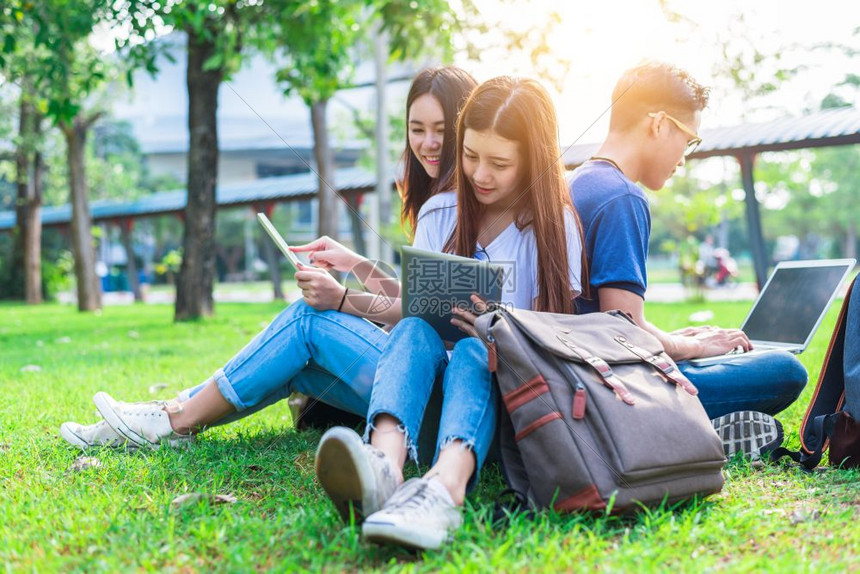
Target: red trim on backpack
662,363
579,404
547,418
525,393
586,499
603,369
492,357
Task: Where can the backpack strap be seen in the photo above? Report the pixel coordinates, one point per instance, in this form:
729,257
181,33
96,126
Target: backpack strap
662,363
819,431
603,369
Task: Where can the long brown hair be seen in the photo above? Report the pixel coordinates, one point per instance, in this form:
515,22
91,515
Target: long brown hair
450,86
520,110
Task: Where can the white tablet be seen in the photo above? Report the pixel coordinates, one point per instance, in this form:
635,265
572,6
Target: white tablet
279,241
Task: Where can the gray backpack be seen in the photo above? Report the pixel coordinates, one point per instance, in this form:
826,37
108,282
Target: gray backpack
597,415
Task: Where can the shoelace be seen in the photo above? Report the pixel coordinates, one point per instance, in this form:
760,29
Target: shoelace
419,501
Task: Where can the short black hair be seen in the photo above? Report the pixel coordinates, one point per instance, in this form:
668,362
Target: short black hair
652,87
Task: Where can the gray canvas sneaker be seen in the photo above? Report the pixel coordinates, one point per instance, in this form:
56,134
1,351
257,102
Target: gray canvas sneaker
421,514
143,424
97,434
354,474
752,433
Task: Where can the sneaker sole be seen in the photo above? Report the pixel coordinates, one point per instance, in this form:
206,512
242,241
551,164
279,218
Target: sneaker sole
752,433
419,539
104,404
77,440
70,437
345,474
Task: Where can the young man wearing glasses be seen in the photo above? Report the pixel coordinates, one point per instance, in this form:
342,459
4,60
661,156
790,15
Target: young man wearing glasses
653,127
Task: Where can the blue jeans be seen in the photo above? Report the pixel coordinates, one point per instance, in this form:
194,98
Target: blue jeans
768,383
413,359
327,355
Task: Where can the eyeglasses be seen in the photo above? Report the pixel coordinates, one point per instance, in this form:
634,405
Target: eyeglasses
693,143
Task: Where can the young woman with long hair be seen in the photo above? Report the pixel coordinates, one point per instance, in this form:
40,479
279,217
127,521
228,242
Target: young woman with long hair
511,206
321,346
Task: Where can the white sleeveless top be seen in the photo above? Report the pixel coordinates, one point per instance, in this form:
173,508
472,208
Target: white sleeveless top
513,247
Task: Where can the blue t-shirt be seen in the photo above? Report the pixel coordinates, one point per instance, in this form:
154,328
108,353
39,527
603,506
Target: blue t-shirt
616,221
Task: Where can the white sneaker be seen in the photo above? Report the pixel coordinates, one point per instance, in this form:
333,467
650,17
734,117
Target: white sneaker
420,514
143,424
97,434
354,474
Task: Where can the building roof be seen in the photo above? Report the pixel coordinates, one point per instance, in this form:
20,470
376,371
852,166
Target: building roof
839,126
290,187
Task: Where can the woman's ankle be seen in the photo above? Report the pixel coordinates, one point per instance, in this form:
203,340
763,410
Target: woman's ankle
175,415
453,469
456,489
389,437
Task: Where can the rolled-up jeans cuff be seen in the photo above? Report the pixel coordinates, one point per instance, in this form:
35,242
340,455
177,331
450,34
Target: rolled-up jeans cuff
225,387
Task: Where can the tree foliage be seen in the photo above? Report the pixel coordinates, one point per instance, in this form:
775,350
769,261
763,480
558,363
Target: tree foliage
215,31
318,43
46,50
692,204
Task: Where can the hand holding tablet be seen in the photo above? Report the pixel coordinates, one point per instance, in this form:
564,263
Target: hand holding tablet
326,253
437,284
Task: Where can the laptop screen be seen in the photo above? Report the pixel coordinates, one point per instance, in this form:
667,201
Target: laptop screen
792,303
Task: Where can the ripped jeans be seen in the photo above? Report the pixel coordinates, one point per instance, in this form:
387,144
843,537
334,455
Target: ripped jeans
328,355
413,358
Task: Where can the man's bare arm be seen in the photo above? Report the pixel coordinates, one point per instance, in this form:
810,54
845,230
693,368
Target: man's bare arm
705,342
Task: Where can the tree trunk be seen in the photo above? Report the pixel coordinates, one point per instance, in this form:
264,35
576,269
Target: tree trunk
381,51
89,292
17,268
272,256
33,233
270,253
851,241
25,273
231,257
354,202
329,203
197,273
126,226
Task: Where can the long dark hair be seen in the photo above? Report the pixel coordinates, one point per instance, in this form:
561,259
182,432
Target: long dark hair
450,86
520,110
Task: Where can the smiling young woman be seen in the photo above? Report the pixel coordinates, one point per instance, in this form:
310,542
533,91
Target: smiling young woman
510,206
432,105
321,346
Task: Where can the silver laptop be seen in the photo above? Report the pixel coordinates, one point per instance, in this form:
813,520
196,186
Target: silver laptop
791,306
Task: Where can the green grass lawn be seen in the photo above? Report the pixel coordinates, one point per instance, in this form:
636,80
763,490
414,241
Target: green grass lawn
118,516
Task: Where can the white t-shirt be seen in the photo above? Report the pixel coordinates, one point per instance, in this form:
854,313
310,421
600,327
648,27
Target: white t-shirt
513,247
